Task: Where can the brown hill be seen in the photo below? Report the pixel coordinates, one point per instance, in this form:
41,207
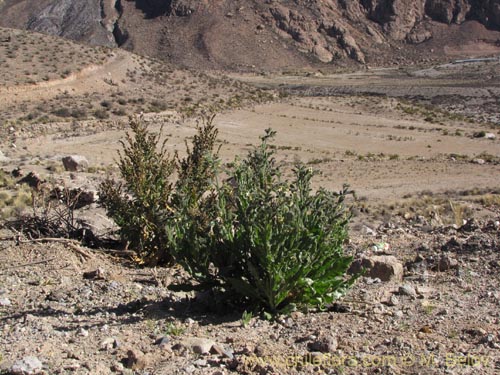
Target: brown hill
271,34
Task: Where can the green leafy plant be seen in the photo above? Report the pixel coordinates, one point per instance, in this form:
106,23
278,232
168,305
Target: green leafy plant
141,203
259,239
246,317
265,241
173,329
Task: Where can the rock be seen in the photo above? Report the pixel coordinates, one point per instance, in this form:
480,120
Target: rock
3,158
479,161
393,301
220,350
407,290
198,345
33,180
136,360
5,302
418,36
83,332
74,163
447,263
471,225
200,363
325,345
322,54
452,245
27,366
98,274
490,136
384,267
109,343
366,230
164,343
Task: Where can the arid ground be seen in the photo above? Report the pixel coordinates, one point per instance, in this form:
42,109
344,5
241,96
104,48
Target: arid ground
420,147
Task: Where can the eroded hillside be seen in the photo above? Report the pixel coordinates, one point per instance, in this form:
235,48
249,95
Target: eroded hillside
272,34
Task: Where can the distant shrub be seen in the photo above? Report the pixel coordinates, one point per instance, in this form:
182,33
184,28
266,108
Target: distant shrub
106,104
479,134
79,113
101,114
62,112
158,106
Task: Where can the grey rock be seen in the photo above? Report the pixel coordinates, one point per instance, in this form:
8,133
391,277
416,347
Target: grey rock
5,302
3,158
83,332
198,345
108,343
200,362
27,366
163,342
366,230
74,163
393,301
325,345
222,351
407,290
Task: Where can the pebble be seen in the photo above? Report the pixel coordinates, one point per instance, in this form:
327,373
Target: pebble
399,314
5,302
393,301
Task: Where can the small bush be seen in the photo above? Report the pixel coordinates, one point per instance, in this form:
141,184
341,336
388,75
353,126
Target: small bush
62,112
101,114
261,240
479,134
267,242
140,204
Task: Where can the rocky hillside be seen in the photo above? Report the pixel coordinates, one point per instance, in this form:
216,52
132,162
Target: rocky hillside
273,33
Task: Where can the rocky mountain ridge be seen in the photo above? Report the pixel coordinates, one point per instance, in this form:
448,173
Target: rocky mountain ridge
271,33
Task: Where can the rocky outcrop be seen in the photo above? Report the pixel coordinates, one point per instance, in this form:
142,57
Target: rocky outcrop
78,20
323,35
228,33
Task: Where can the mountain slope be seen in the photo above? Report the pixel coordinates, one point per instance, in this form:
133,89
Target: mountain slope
272,34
